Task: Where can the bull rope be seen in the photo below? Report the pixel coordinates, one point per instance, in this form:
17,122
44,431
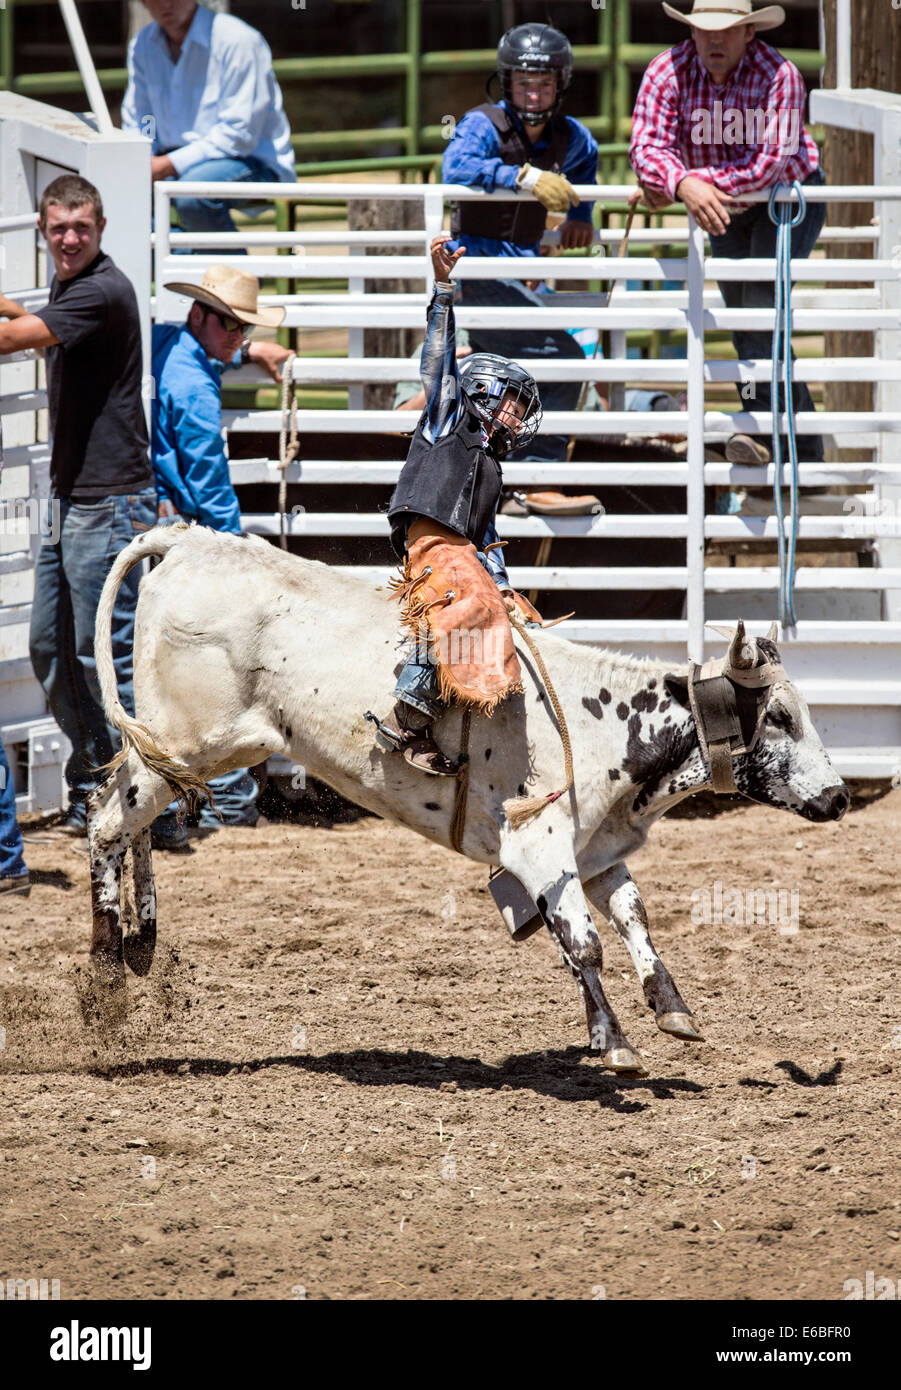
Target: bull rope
458,819
288,447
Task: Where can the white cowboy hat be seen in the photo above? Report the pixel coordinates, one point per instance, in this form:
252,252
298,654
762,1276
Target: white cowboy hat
711,14
231,292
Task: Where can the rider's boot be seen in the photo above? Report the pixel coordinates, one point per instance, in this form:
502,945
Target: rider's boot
409,731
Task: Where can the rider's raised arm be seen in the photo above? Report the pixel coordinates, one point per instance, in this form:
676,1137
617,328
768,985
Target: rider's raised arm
438,366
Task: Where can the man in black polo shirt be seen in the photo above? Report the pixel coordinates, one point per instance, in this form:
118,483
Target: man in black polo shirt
100,474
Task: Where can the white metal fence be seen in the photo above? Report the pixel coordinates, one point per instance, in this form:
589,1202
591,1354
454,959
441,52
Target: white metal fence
845,659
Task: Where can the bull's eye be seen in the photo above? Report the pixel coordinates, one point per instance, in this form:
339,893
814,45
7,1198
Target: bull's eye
780,718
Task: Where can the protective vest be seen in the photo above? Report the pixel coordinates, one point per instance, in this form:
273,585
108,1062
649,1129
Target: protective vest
454,481
524,221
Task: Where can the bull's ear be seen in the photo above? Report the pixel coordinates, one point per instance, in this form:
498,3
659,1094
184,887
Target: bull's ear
676,688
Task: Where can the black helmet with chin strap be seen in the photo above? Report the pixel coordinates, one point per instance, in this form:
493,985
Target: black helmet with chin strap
489,381
534,48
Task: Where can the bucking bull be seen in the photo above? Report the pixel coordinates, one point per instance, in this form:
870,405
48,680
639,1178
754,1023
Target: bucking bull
242,651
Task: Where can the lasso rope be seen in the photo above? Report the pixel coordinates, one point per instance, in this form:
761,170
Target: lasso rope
288,447
784,220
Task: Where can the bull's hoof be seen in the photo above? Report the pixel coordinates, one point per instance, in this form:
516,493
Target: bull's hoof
138,948
683,1026
623,1059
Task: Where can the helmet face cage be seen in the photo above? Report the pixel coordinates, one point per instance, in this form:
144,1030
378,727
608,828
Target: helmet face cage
490,382
534,48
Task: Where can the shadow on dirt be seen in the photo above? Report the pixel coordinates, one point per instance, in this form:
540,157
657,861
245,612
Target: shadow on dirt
557,1074
803,1078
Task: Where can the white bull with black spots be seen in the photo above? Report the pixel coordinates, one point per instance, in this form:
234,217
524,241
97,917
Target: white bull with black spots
242,651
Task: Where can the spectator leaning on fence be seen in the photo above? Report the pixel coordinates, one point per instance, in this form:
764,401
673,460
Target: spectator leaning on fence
100,476
719,115
201,86
187,447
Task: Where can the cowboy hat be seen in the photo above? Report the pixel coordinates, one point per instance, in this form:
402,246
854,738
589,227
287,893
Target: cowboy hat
232,292
711,14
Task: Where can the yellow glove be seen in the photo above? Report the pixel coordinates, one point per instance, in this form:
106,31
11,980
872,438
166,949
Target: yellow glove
553,191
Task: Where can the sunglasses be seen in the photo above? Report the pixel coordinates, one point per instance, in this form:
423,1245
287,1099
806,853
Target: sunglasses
228,324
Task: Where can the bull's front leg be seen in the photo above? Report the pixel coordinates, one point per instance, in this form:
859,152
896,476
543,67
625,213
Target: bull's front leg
558,894
614,893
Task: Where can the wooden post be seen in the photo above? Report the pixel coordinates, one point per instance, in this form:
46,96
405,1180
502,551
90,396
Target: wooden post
389,214
848,158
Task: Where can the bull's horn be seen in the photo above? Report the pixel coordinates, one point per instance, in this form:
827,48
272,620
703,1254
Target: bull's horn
773,632
742,650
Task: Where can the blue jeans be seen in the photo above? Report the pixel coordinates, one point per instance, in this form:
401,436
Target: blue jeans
236,800
212,214
68,580
752,234
12,864
417,685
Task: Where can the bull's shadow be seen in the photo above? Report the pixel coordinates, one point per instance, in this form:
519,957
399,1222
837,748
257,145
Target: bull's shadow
556,1074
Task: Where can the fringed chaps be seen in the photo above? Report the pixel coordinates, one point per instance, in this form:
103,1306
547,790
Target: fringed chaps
454,609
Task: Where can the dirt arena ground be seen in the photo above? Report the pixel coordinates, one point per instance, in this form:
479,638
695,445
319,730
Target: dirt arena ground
342,1080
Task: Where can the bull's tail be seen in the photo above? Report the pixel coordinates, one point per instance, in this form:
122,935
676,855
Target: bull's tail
187,787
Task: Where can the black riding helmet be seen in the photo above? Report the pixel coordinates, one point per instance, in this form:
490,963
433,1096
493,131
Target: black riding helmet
534,48
489,380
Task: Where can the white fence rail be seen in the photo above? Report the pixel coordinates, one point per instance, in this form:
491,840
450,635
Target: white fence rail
846,650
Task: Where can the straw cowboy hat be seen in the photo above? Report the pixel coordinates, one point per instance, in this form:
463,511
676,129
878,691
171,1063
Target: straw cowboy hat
711,14
232,292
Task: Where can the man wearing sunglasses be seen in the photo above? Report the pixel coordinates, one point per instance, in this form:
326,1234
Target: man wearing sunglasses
187,448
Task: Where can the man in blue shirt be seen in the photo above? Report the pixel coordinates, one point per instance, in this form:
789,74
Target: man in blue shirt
201,86
523,142
187,448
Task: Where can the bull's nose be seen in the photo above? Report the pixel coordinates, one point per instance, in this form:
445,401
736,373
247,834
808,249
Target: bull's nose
830,804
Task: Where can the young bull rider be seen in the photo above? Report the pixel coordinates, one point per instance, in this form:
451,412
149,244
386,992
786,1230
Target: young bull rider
442,516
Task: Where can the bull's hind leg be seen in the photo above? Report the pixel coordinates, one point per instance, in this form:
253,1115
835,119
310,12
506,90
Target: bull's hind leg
614,893
564,910
139,943
119,814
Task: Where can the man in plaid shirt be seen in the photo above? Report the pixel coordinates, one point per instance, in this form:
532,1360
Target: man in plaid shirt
717,116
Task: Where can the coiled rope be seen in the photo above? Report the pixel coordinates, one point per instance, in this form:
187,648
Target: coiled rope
783,217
